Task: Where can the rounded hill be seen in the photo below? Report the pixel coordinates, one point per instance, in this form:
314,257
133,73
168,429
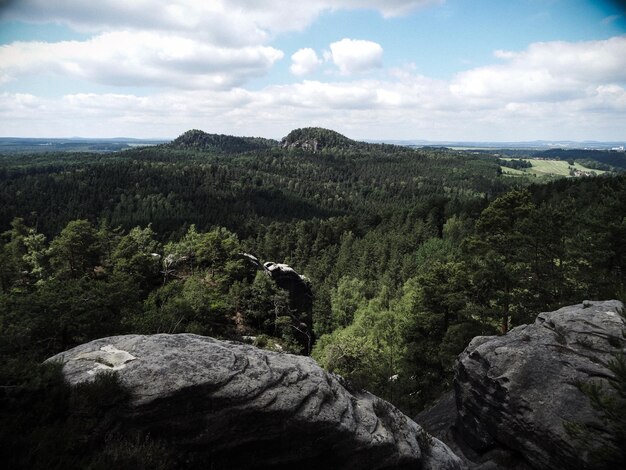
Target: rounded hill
315,139
199,140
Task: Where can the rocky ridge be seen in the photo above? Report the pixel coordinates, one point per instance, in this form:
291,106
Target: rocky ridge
231,405
195,139
515,394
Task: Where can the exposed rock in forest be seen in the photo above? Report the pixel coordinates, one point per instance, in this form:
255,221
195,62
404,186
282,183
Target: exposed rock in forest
300,295
230,405
515,393
298,286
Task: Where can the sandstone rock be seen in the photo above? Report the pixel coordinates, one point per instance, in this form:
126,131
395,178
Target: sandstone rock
298,286
300,296
517,391
231,405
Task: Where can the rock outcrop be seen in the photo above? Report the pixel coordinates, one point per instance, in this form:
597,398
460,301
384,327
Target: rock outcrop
315,139
287,278
300,296
298,286
230,405
516,392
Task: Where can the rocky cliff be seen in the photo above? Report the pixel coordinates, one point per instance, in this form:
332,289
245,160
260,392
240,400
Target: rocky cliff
229,405
515,394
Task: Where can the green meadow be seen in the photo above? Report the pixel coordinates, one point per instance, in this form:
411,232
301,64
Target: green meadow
547,168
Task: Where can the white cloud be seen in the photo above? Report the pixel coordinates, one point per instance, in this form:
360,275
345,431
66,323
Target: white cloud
232,21
304,62
546,71
173,43
138,59
356,55
411,107
547,91
389,8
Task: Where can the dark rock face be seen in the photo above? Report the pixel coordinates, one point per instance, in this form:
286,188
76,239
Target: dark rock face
233,406
298,286
287,278
300,296
518,390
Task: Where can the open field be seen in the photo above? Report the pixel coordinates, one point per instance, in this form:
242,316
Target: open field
548,168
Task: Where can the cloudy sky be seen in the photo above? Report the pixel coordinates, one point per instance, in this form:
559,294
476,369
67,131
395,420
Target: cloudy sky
372,69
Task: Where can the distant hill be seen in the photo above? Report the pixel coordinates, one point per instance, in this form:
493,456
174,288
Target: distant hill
21,145
199,140
315,139
308,139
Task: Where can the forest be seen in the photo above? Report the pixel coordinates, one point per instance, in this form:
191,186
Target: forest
409,253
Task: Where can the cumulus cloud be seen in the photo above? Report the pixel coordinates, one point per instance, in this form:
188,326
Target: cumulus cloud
304,61
356,55
411,107
546,71
177,43
139,58
229,20
549,90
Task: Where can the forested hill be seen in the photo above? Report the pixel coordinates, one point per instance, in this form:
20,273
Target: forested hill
172,186
318,139
308,139
198,140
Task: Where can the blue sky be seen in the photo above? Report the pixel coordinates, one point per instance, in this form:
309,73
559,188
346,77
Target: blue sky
371,69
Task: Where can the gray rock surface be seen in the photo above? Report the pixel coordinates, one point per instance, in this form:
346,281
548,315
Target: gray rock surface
234,406
309,145
517,391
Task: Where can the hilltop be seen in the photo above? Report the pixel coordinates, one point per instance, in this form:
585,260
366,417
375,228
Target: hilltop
195,139
311,139
317,139
307,139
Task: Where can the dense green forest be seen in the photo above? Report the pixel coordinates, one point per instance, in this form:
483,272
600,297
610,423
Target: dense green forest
409,253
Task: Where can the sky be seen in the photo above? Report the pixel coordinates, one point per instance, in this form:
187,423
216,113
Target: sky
460,70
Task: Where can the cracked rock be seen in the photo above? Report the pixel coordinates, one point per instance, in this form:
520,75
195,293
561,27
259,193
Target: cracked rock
234,406
517,391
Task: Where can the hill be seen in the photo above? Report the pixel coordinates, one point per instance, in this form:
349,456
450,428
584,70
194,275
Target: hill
317,139
199,140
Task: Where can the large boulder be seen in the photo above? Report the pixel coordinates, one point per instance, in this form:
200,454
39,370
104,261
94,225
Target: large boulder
518,391
230,405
